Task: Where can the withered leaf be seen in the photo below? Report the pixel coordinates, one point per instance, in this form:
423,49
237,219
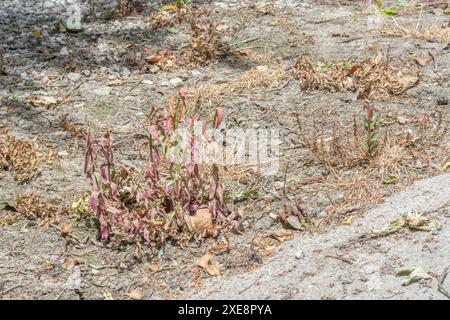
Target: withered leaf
408,81
294,222
282,235
66,228
42,101
135,295
200,224
219,248
205,263
423,60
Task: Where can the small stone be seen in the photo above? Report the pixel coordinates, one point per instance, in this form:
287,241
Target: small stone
64,51
176,82
95,272
73,25
63,154
299,254
278,185
86,73
73,76
434,232
126,72
273,216
262,68
195,73
165,84
102,91
374,22
147,82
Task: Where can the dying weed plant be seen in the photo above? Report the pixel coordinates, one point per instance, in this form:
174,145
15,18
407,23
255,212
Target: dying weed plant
206,38
371,78
129,7
22,158
166,200
33,207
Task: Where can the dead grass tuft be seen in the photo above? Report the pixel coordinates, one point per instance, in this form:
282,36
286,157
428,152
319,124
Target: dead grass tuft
259,77
371,78
404,152
430,34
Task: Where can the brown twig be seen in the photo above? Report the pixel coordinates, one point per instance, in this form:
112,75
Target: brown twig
441,280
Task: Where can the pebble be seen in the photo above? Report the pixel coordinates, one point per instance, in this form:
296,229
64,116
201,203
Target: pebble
102,91
278,185
63,154
273,216
195,73
299,254
64,51
176,82
126,72
147,82
73,76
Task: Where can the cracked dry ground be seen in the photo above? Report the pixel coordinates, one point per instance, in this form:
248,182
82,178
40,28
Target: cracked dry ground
89,82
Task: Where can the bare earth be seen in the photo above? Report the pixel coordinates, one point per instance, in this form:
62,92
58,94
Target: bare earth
98,83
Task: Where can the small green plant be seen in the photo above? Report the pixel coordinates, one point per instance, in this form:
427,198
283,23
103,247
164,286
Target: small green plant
371,131
389,12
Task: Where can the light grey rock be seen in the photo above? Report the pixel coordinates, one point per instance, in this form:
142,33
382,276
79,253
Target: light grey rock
176,82
73,76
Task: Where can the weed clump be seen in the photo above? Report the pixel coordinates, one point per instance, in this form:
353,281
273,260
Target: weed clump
169,198
22,158
370,79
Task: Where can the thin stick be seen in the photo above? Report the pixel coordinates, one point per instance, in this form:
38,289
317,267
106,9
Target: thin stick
420,16
441,280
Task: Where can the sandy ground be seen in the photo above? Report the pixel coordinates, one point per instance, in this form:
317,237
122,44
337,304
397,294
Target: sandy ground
346,264
96,78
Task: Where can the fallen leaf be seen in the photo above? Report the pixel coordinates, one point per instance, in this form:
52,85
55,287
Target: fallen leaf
135,295
154,223
392,227
390,180
107,295
205,263
66,228
42,101
294,222
169,7
154,267
200,224
420,222
423,60
219,248
172,30
414,274
37,35
407,81
347,220
282,235
389,12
